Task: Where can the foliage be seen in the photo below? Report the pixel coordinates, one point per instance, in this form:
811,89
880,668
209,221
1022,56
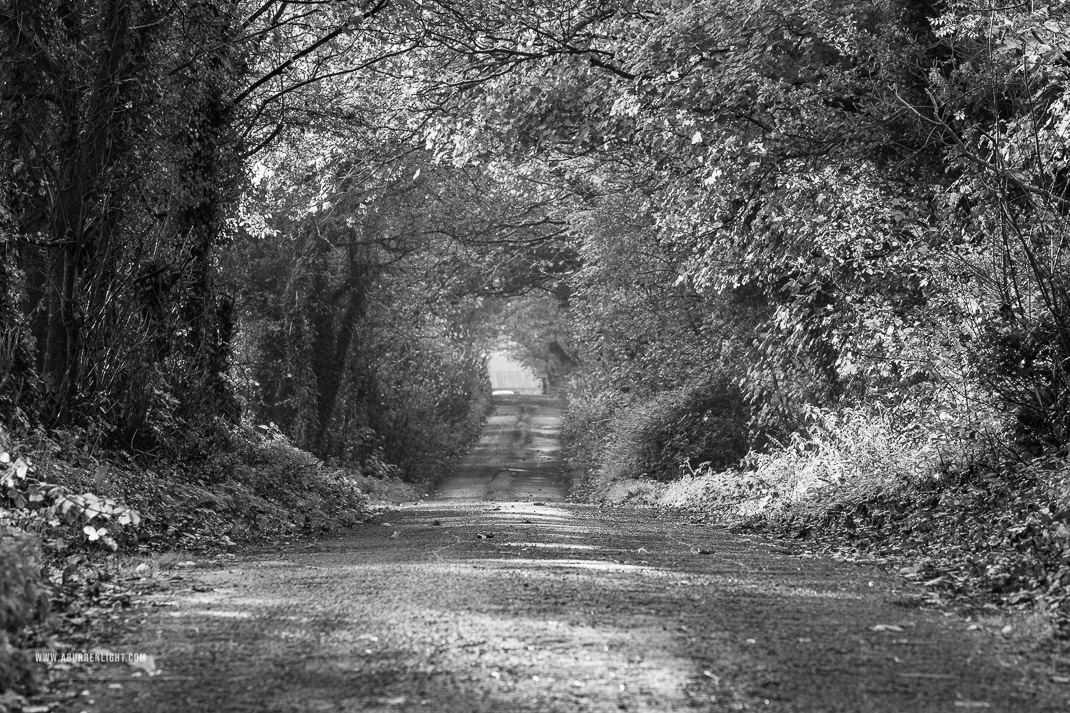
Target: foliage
20,593
993,534
829,233
534,333
1003,112
120,161
351,343
156,152
859,211
36,505
256,487
836,206
949,513
700,425
261,489
23,600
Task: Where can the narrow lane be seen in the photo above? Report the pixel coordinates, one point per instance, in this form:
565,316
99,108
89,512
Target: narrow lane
517,458
522,604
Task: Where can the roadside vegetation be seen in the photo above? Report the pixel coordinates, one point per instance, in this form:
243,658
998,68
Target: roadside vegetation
831,301
800,264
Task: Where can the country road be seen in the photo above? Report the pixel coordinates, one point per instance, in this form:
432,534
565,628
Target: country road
500,596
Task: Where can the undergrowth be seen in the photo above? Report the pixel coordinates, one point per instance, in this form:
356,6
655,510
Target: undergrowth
64,507
23,602
654,438
944,502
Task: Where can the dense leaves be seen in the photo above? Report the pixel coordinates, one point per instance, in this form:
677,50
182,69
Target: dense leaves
852,212
832,204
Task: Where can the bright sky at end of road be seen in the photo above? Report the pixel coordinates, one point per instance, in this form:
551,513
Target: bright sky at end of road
507,374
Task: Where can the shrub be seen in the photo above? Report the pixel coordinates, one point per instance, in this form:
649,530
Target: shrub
857,449
586,420
848,455
46,506
21,593
23,600
1023,361
663,437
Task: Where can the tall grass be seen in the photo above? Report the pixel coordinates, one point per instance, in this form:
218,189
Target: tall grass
848,455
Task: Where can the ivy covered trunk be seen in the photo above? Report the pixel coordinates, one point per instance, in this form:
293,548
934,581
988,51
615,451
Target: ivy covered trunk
118,143
209,174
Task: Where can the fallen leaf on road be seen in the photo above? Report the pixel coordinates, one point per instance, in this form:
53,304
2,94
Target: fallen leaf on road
395,535
886,627
481,536
972,704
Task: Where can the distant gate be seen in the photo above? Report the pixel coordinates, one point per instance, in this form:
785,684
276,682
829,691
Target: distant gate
507,374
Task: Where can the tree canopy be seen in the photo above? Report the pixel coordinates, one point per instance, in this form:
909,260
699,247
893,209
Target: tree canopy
321,213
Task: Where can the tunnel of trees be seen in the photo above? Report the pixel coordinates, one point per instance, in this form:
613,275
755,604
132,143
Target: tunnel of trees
800,263
713,225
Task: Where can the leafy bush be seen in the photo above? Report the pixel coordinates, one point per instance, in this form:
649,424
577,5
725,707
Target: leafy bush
1022,359
859,450
261,488
588,416
30,508
962,517
23,600
848,455
42,505
431,410
662,437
